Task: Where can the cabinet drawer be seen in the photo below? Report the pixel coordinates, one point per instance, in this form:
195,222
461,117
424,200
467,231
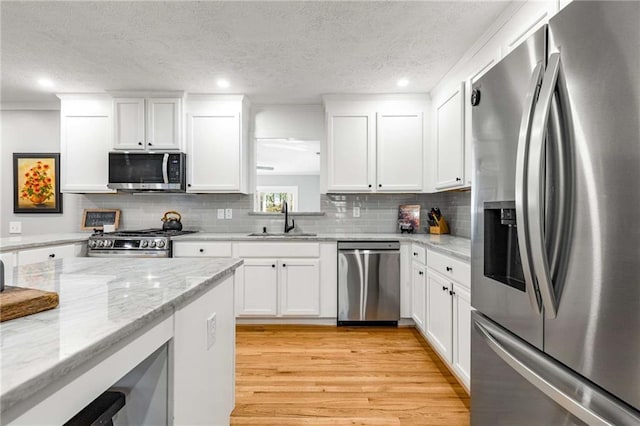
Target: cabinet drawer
279,249
454,269
26,257
419,253
201,249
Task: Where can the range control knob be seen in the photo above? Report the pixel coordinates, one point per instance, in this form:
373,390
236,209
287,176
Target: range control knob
160,244
108,243
92,243
152,244
100,243
144,243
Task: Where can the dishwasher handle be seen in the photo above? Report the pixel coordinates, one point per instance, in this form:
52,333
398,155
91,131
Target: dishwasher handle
356,251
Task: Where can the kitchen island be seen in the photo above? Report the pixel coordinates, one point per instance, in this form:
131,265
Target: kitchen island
115,315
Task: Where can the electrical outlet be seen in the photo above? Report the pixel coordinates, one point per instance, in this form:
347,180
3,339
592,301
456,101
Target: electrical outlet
220,213
228,213
356,212
15,227
211,330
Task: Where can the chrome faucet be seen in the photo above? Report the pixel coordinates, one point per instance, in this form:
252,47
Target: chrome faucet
285,210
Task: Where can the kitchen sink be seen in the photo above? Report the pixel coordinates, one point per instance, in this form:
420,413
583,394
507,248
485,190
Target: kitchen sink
281,234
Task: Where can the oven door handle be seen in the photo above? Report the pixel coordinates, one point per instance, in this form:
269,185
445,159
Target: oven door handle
165,167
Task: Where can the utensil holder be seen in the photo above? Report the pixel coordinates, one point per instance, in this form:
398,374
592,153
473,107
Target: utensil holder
441,227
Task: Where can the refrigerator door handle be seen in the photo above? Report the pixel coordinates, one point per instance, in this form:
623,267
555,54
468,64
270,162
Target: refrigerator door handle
535,187
522,162
570,391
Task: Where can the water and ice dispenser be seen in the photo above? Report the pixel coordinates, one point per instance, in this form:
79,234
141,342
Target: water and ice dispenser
501,253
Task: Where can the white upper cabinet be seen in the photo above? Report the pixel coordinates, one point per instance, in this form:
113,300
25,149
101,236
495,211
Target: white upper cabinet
214,152
399,152
449,114
147,123
375,143
351,149
86,125
217,145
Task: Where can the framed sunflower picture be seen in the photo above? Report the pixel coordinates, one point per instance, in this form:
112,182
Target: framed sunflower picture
36,180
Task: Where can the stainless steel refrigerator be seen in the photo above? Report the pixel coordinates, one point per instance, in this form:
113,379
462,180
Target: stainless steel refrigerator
555,232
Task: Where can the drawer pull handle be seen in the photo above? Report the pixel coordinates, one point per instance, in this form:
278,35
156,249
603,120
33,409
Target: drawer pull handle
449,268
201,250
284,265
421,273
445,288
451,293
415,254
273,266
52,255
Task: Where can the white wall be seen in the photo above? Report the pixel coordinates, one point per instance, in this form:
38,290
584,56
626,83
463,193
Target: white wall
32,131
308,188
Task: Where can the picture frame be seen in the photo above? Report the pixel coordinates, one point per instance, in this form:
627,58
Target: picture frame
36,183
409,217
95,219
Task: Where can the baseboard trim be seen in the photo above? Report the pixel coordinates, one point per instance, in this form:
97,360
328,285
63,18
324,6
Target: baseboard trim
287,321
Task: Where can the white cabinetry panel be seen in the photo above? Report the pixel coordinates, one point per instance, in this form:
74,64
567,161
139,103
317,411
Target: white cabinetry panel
462,333
418,295
129,123
299,287
439,314
450,140
214,152
350,152
163,123
258,289
399,152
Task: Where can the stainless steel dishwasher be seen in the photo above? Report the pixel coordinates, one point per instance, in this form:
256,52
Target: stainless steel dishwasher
368,283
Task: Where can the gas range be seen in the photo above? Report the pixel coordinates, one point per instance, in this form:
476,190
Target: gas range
142,243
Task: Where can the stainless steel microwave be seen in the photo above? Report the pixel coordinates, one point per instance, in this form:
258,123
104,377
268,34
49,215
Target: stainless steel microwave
146,171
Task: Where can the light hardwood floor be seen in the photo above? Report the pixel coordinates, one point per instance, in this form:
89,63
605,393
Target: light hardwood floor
306,375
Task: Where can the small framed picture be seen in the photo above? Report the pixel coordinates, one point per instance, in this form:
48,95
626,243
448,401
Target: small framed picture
36,183
409,217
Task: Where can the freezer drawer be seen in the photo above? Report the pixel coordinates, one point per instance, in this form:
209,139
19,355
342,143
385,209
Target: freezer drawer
368,283
513,383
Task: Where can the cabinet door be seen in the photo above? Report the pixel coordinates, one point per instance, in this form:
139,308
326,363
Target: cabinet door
450,140
351,154
462,333
439,314
418,299
258,290
299,287
214,153
163,123
85,144
399,152
129,123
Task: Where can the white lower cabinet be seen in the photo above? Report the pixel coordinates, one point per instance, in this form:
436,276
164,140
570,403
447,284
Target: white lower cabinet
279,287
441,308
439,317
299,287
25,257
257,288
279,279
418,292
462,333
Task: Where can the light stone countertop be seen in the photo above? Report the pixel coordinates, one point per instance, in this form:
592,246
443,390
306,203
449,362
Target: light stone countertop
455,246
20,242
102,301
447,244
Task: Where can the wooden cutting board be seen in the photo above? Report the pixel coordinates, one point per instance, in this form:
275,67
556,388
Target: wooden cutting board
16,302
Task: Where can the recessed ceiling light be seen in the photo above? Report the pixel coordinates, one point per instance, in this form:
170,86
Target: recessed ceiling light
223,83
403,82
45,82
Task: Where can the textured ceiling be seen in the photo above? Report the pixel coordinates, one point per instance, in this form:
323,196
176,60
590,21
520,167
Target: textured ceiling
272,51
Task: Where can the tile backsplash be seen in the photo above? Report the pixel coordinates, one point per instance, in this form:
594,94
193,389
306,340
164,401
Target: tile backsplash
378,212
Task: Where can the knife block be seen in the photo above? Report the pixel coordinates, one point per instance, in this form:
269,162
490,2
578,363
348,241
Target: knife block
441,227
